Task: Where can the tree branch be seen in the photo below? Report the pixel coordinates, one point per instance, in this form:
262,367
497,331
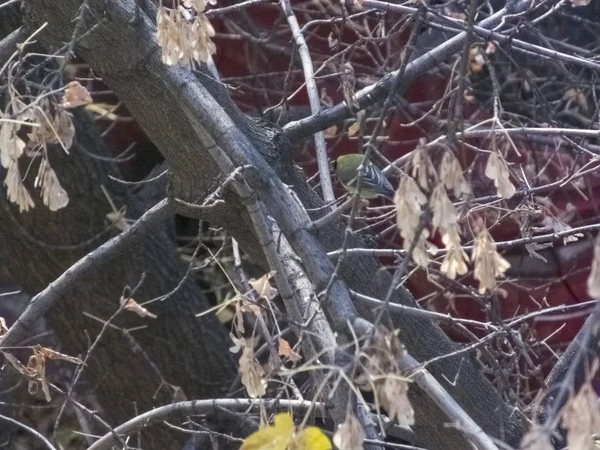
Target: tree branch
104,254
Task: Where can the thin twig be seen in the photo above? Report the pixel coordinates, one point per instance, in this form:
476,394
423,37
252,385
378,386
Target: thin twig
92,262
314,100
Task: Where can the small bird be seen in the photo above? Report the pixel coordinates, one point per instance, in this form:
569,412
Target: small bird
373,183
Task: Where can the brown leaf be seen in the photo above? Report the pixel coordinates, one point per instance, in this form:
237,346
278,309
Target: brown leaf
53,354
263,287
132,305
286,350
75,95
252,374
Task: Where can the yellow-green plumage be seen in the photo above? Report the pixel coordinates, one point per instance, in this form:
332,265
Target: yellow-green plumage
373,182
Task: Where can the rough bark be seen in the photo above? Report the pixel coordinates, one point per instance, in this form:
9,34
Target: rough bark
189,352
123,51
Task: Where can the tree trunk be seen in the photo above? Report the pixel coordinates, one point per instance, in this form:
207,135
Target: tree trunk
189,352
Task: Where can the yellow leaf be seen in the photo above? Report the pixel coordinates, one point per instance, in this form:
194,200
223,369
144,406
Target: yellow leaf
311,438
276,437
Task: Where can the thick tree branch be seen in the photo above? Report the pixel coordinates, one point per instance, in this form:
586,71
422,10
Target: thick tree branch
126,56
370,95
183,410
115,248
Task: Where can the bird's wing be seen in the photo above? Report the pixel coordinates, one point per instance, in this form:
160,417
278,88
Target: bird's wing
375,180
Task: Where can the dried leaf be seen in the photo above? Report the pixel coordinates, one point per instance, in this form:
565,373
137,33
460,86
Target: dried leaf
48,353
408,201
53,194
489,264
252,374
581,418
132,305
350,434
455,259
11,145
75,95
451,174
422,167
286,350
263,287
444,212
393,397
54,127
497,170
15,189
183,38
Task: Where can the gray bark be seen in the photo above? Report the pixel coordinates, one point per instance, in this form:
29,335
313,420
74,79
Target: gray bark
123,51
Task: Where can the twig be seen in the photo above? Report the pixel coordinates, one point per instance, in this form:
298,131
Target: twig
104,254
127,294
30,430
570,370
368,96
314,100
196,407
436,392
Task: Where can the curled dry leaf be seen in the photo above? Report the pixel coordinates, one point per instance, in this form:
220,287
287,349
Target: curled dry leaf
593,281
263,287
497,170
350,434
133,306
251,372
35,371
286,351
489,264
75,95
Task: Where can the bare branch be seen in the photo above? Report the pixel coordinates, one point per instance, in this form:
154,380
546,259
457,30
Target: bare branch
104,254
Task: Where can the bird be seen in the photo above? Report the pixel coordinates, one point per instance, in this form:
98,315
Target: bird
373,183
